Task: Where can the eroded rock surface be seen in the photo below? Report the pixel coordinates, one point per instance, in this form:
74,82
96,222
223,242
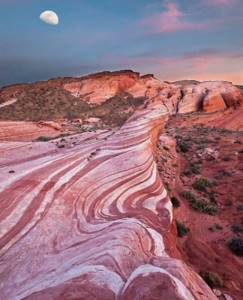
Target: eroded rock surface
92,220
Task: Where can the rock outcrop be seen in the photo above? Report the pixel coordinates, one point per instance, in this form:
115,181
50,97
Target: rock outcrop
27,131
213,102
92,220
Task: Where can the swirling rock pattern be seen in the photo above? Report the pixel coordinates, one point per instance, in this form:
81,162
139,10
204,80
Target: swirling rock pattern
90,222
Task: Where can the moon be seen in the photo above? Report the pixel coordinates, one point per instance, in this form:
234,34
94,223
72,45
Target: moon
49,17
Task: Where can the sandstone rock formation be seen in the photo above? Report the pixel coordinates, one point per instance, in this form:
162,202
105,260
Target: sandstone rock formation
26,131
213,102
92,220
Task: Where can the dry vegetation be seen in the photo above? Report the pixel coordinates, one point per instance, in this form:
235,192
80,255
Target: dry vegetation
55,103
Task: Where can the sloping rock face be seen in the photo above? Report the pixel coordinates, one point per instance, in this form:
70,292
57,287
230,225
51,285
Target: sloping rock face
210,96
52,99
100,89
90,222
24,131
213,102
93,220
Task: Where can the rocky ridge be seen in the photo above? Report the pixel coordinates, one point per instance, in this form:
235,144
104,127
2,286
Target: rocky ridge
93,219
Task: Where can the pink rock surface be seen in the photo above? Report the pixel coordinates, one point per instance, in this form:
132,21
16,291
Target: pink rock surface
93,221
214,102
90,222
26,131
99,89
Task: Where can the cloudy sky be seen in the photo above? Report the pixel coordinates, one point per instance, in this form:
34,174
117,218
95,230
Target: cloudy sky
174,39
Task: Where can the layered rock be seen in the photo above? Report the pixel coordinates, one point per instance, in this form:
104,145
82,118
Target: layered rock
92,220
213,102
27,131
98,88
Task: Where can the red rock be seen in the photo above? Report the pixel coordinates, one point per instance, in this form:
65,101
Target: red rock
51,124
25,131
93,220
213,102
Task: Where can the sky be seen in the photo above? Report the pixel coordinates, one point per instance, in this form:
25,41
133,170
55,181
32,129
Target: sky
172,39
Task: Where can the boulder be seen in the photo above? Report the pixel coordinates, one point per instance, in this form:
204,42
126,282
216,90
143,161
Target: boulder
213,102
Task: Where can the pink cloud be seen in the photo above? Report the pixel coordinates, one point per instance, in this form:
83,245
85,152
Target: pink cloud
196,59
206,64
221,2
172,20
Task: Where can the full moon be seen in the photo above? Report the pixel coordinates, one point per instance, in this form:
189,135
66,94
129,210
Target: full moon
49,17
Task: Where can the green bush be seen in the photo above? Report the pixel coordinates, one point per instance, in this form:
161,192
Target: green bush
183,146
202,184
236,246
43,139
212,279
195,168
204,207
175,202
213,198
189,195
182,230
200,205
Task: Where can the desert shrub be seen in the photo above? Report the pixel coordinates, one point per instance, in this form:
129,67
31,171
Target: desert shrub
215,227
213,197
204,207
195,168
200,205
223,130
182,230
46,103
182,146
188,195
212,279
236,246
175,202
223,173
187,173
226,158
202,184
218,226
237,228
44,138
49,138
